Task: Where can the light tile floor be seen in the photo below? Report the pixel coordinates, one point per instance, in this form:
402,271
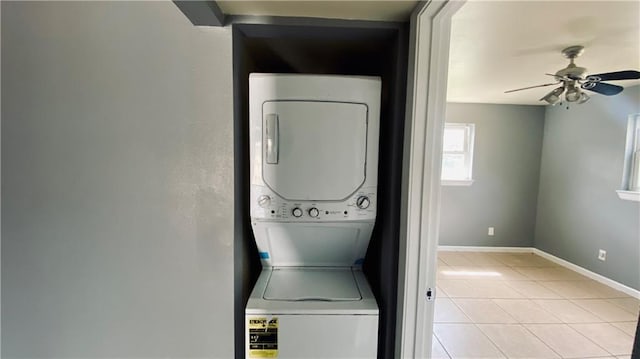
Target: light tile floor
520,305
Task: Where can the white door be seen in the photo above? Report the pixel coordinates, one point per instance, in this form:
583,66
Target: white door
426,102
314,150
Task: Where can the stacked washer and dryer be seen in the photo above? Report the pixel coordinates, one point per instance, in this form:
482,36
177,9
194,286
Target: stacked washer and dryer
313,168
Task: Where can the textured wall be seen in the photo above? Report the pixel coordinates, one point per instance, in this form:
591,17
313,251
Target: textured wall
578,209
117,182
506,164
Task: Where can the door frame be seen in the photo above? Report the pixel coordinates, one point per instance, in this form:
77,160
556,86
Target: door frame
422,160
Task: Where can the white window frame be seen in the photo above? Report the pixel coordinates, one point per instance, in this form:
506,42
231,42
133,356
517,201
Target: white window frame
631,171
469,131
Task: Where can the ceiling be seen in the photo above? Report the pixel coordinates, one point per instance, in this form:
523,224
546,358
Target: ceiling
503,45
500,45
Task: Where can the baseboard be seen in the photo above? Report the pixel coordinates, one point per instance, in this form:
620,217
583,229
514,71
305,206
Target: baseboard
587,273
485,249
576,268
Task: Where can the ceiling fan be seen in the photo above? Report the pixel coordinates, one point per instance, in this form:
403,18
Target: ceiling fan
572,81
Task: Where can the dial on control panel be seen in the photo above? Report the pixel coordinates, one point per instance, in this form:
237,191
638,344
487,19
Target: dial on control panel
313,212
264,201
296,212
363,202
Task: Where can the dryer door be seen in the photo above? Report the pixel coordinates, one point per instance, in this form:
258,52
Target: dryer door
314,150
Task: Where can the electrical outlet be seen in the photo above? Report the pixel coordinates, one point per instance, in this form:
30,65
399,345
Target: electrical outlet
602,255
491,231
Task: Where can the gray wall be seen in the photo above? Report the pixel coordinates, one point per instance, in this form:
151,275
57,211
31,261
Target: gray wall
578,209
117,182
506,165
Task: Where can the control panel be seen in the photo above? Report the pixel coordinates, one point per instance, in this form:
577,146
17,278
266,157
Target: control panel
267,205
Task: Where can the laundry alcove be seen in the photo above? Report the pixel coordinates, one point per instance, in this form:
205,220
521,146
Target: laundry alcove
321,46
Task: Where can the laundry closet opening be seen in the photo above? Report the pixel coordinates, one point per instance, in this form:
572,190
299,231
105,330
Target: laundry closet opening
320,46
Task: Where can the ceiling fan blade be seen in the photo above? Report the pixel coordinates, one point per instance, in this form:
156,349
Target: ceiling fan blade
602,88
612,76
563,78
531,87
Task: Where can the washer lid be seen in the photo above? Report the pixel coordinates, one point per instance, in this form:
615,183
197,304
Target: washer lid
312,284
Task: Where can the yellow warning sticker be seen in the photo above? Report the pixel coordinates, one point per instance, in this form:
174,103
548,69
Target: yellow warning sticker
263,337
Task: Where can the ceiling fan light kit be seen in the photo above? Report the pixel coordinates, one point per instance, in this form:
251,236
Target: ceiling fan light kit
583,98
572,81
554,96
573,94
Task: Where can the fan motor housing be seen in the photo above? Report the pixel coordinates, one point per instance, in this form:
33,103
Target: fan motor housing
572,72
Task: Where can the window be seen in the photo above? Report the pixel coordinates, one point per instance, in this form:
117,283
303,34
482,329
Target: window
457,154
631,172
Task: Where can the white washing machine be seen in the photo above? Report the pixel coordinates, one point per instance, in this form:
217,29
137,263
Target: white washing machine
314,163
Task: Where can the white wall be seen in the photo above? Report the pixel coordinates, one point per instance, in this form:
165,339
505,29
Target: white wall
117,182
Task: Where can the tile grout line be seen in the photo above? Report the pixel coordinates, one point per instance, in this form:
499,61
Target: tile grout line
548,257
568,325
491,341
621,307
592,312
441,345
535,336
533,304
605,349
589,339
560,297
542,341
478,328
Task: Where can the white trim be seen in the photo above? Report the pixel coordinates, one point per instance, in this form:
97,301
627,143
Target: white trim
456,182
629,195
587,273
632,144
574,267
485,249
420,199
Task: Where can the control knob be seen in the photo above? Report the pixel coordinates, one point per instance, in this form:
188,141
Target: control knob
313,212
264,201
297,212
363,202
